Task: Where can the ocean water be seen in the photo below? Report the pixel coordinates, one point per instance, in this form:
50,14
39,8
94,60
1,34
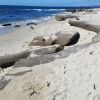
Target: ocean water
25,13
21,15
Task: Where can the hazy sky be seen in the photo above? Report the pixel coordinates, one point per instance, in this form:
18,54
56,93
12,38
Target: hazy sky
50,2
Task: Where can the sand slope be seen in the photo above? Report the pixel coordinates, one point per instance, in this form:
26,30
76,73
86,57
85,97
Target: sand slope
72,78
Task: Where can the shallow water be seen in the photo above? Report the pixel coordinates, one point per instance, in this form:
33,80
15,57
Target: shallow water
6,30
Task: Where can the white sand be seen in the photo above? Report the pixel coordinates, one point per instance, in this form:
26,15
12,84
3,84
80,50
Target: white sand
71,78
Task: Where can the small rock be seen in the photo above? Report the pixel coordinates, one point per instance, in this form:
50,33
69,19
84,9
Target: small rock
64,72
91,52
9,24
31,23
32,93
48,84
94,87
17,26
32,27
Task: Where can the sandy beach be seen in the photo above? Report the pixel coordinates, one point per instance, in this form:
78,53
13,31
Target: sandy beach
73,73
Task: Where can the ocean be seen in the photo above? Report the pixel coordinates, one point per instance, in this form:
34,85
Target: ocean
26,13
21,15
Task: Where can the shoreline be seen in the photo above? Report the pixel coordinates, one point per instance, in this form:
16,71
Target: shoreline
21,24
40,29
10,25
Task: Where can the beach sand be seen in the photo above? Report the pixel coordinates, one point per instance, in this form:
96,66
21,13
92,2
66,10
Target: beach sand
74,76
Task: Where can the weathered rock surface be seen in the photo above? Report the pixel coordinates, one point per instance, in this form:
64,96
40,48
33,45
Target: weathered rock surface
85,25
64,17
10,60
61,77
17,26
61,39
67,39
48,50
29,62
31,23
41,40
24,66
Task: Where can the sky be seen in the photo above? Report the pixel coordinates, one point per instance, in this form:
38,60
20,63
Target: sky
50,2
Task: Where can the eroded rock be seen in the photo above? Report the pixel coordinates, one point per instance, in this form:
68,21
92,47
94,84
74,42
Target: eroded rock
61,39
64,17
10,60
48,50
29,62
85,25
67,39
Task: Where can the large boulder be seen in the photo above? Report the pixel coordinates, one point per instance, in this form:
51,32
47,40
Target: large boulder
29,62
61,39
85,25
67,39
64,17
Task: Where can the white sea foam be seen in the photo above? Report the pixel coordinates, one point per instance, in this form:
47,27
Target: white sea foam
1,26
38,9
45,18
53,9
38,19
56,9
31,9
45,9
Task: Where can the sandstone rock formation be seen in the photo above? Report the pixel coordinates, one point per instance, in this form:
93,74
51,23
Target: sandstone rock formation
9,60
67,39
61,39
85,25
64,17
48,50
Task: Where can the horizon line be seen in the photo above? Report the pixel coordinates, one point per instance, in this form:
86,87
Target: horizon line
53,6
